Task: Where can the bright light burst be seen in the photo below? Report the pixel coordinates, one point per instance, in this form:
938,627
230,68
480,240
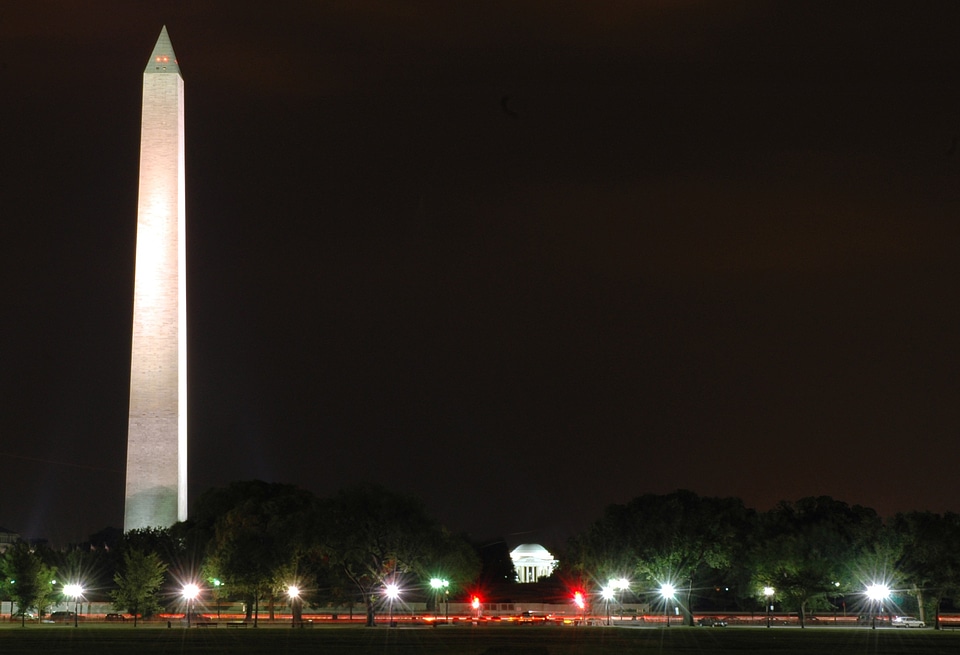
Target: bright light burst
72,590
667,590
392,591
578,600
877,592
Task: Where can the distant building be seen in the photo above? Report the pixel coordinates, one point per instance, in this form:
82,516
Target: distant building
532,562
7,539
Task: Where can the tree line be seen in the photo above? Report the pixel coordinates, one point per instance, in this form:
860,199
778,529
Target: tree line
817,554
251,540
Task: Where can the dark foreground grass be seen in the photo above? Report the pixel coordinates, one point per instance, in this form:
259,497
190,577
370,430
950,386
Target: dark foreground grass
465,640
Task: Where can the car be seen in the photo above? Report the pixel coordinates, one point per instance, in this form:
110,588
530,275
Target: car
907,622
114,617
712,622
62,617
25,615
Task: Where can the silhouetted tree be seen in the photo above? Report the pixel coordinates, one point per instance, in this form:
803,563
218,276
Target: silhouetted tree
809,551
261,537
930,561
138,582
674,538
376,536
30,583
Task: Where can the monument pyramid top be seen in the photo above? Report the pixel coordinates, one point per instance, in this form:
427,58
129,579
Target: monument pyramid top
163,59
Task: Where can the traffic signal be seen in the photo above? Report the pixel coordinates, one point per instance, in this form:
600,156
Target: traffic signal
578,599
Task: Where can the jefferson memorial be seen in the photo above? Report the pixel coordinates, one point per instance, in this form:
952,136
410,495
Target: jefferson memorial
532,562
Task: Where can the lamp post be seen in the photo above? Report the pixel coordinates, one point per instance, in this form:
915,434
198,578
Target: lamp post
190,593
621,585
667,590
294,593
607,594
440,585
768,597
74,591
392,591
216,593
877,593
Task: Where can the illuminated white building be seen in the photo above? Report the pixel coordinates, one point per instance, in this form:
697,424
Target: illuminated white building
532,562
156,486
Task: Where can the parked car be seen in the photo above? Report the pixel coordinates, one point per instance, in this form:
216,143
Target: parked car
25,615
712,622
62,617
907,622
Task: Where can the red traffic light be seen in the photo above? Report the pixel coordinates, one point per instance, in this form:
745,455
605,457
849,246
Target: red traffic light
476,602
578,599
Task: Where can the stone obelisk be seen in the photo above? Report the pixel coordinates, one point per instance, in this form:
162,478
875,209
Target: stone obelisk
156,488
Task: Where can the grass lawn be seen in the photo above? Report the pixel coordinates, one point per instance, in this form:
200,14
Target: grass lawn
467,640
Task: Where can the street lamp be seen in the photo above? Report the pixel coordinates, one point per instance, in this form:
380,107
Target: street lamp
216,593
768,596
621,585
190,593
877,593
392,592
607,594
294,593
74,591
667,590
439,584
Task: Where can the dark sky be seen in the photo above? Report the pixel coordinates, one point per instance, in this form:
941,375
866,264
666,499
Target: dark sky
521,259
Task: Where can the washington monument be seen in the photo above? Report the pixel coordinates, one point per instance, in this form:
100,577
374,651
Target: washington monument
156,488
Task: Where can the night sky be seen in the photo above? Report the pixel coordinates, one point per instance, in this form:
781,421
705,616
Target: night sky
522,259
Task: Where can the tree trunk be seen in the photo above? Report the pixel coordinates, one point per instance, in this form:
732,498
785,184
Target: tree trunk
371,617
803,614
921,612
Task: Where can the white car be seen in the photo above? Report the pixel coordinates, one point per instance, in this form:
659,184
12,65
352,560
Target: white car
907,622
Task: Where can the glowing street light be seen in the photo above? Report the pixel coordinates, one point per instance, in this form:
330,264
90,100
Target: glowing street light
621,585
190,592
768,593
877,593
607,594
74,591
294,593
216,592
392,592
668,591
439,584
